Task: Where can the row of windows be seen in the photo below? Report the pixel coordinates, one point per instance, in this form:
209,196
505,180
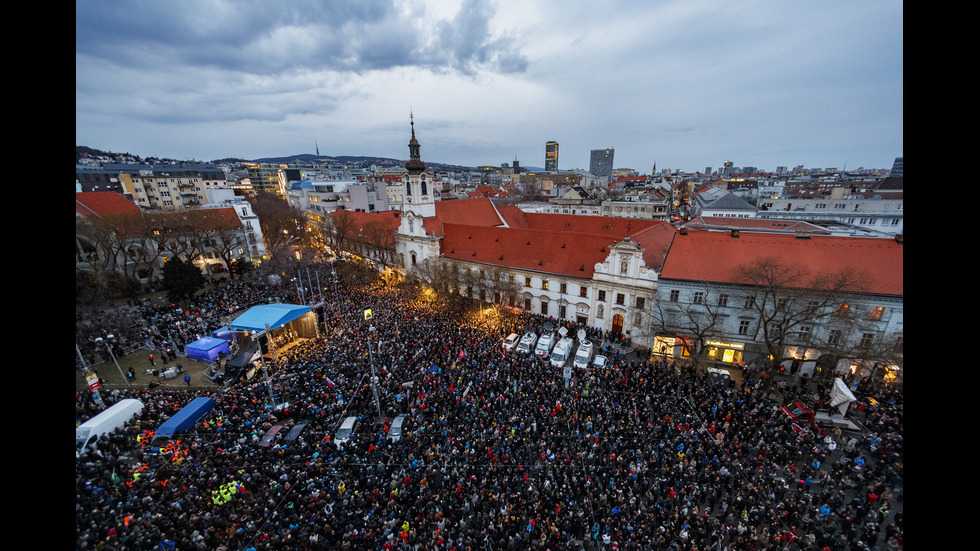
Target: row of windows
748,301
583,291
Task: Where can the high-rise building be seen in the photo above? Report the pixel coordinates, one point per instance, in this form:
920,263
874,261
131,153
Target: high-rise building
897,167
551,157
601,162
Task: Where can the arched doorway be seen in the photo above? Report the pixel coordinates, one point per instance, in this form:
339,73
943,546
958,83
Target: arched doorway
617,326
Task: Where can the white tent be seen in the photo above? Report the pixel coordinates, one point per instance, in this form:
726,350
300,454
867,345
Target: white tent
840,396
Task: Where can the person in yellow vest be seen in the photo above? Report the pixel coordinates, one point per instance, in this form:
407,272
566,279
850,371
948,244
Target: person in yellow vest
341,487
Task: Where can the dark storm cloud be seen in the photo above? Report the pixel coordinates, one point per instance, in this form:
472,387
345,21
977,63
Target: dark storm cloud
270,38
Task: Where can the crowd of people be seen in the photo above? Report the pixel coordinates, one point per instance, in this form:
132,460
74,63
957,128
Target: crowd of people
499,451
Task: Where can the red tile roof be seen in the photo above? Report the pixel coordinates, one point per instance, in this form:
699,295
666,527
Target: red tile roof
103,204
714,256
554,243
566,253
475,212
602,225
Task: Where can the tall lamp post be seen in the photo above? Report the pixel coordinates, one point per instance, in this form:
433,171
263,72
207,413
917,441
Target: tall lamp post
374,375
108,346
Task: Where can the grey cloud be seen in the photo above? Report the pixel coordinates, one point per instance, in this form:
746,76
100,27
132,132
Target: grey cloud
273,38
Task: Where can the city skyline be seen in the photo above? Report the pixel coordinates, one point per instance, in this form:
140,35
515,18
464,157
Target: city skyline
682,85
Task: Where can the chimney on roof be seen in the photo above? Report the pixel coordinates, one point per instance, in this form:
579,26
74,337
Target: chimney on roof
682,231
735,234
803,235
899,238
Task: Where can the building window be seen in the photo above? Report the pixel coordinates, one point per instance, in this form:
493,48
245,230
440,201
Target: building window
743,327
877,312
749,302
620,299
512,278
602,296
564,288
834,337
722,300
527,304
640,302
544,284
582,291
843,309
867,340
698,297
544,308
675,295
805,332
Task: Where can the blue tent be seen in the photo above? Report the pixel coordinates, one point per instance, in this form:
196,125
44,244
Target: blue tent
273,315
206,349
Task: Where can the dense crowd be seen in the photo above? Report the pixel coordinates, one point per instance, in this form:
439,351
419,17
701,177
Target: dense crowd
164,326
500,452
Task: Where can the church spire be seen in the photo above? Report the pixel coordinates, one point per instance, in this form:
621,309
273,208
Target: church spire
414,164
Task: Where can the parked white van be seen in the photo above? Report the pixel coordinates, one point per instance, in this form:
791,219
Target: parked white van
89,432
528,341
510,342
584,353
345,431
545,343
562,352
397,428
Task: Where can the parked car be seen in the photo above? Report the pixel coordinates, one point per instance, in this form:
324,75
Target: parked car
345,431
510,342
599,362
799,413
295,432
397,428
270,436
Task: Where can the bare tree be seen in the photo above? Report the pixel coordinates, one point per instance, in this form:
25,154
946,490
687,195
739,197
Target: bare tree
336,229
786,296
694,321
496,288
379,241
283,226
223,235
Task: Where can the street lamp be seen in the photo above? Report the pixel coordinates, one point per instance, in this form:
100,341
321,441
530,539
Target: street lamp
374,375
108,346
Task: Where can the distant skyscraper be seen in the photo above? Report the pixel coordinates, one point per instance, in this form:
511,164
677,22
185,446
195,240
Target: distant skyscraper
551,156
897,167
601,162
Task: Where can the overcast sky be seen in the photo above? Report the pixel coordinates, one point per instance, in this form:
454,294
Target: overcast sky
684,84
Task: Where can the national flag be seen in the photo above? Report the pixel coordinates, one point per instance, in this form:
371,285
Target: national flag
330,383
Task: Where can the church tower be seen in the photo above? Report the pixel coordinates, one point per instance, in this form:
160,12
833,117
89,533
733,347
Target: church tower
418,188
